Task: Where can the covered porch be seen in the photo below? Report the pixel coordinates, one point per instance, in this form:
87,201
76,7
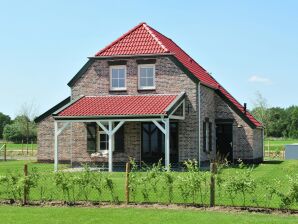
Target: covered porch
157,114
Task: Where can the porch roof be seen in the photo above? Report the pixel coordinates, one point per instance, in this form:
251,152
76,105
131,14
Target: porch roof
111,106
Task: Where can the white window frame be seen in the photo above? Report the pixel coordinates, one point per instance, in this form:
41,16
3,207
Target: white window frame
139,77
111,84
98,143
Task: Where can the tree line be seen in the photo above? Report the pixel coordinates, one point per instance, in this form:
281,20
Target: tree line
278,122
22,129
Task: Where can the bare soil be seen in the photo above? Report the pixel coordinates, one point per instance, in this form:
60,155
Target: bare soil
84,204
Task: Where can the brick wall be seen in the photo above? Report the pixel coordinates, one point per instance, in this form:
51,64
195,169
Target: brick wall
169,80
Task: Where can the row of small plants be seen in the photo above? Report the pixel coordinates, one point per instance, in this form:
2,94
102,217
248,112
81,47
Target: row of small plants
154,184
72,186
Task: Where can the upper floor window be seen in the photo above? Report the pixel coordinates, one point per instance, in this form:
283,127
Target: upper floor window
118,77
147,76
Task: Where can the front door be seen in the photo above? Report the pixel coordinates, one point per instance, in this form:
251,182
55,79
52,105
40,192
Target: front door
153,147
224,141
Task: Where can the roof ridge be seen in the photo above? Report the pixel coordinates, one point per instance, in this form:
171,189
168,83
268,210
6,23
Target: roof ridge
148,28
119,38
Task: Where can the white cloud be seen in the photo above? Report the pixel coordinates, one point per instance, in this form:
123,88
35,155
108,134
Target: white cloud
259,79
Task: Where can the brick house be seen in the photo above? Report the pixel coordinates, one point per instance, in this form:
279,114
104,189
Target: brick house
142,96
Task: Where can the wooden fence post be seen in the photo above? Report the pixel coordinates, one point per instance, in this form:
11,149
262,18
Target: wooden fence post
31,147
25,199
212,184
22,147
5,151
127,183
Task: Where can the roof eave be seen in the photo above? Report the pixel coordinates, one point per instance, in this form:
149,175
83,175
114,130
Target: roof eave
107,117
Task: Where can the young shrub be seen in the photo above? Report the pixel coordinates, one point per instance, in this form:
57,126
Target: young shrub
97,184
109,185
133,179
191,183
84,181
66,182
13,186
240,183
291,197
30,181
168,185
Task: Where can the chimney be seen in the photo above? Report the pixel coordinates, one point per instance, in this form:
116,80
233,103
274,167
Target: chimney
245,108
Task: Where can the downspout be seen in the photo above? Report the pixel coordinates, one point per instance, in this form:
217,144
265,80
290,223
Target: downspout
199,120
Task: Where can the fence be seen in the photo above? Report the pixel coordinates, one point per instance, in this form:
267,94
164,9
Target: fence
153,185
22,151
3,149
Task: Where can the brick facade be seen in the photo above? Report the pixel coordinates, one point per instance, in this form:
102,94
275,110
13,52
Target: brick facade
170,79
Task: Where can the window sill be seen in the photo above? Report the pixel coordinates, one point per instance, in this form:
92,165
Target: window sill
149,89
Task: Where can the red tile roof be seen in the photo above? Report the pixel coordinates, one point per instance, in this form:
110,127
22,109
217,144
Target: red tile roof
143,39
119,105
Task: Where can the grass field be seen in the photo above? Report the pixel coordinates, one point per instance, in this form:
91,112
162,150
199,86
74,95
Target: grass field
278,144
264,173
18,215
14,146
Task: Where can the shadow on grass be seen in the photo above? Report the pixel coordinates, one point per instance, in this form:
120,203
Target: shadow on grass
273,162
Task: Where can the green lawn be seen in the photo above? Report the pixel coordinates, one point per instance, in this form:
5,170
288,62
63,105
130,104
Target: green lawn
264,174
17,215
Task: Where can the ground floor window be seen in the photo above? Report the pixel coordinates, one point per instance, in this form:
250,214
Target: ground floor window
153,146
98,140
207,135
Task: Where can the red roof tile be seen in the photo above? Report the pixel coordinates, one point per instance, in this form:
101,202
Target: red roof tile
119,105
143,39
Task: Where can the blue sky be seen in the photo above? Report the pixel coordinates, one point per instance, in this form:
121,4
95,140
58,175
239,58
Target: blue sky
248,46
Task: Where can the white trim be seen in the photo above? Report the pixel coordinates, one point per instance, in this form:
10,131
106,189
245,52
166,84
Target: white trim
159,126
111,143
139,77
117,67
106,151
171,116
117,127
57,132
167,143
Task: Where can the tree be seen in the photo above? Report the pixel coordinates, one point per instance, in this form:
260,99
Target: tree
25,120
260,110
277,122
292,122
4,120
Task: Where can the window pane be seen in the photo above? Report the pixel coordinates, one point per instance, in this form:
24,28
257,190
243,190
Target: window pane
114,73
142,72
121,83
149,72
149,81
143,82
114,83
103,146
121,73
